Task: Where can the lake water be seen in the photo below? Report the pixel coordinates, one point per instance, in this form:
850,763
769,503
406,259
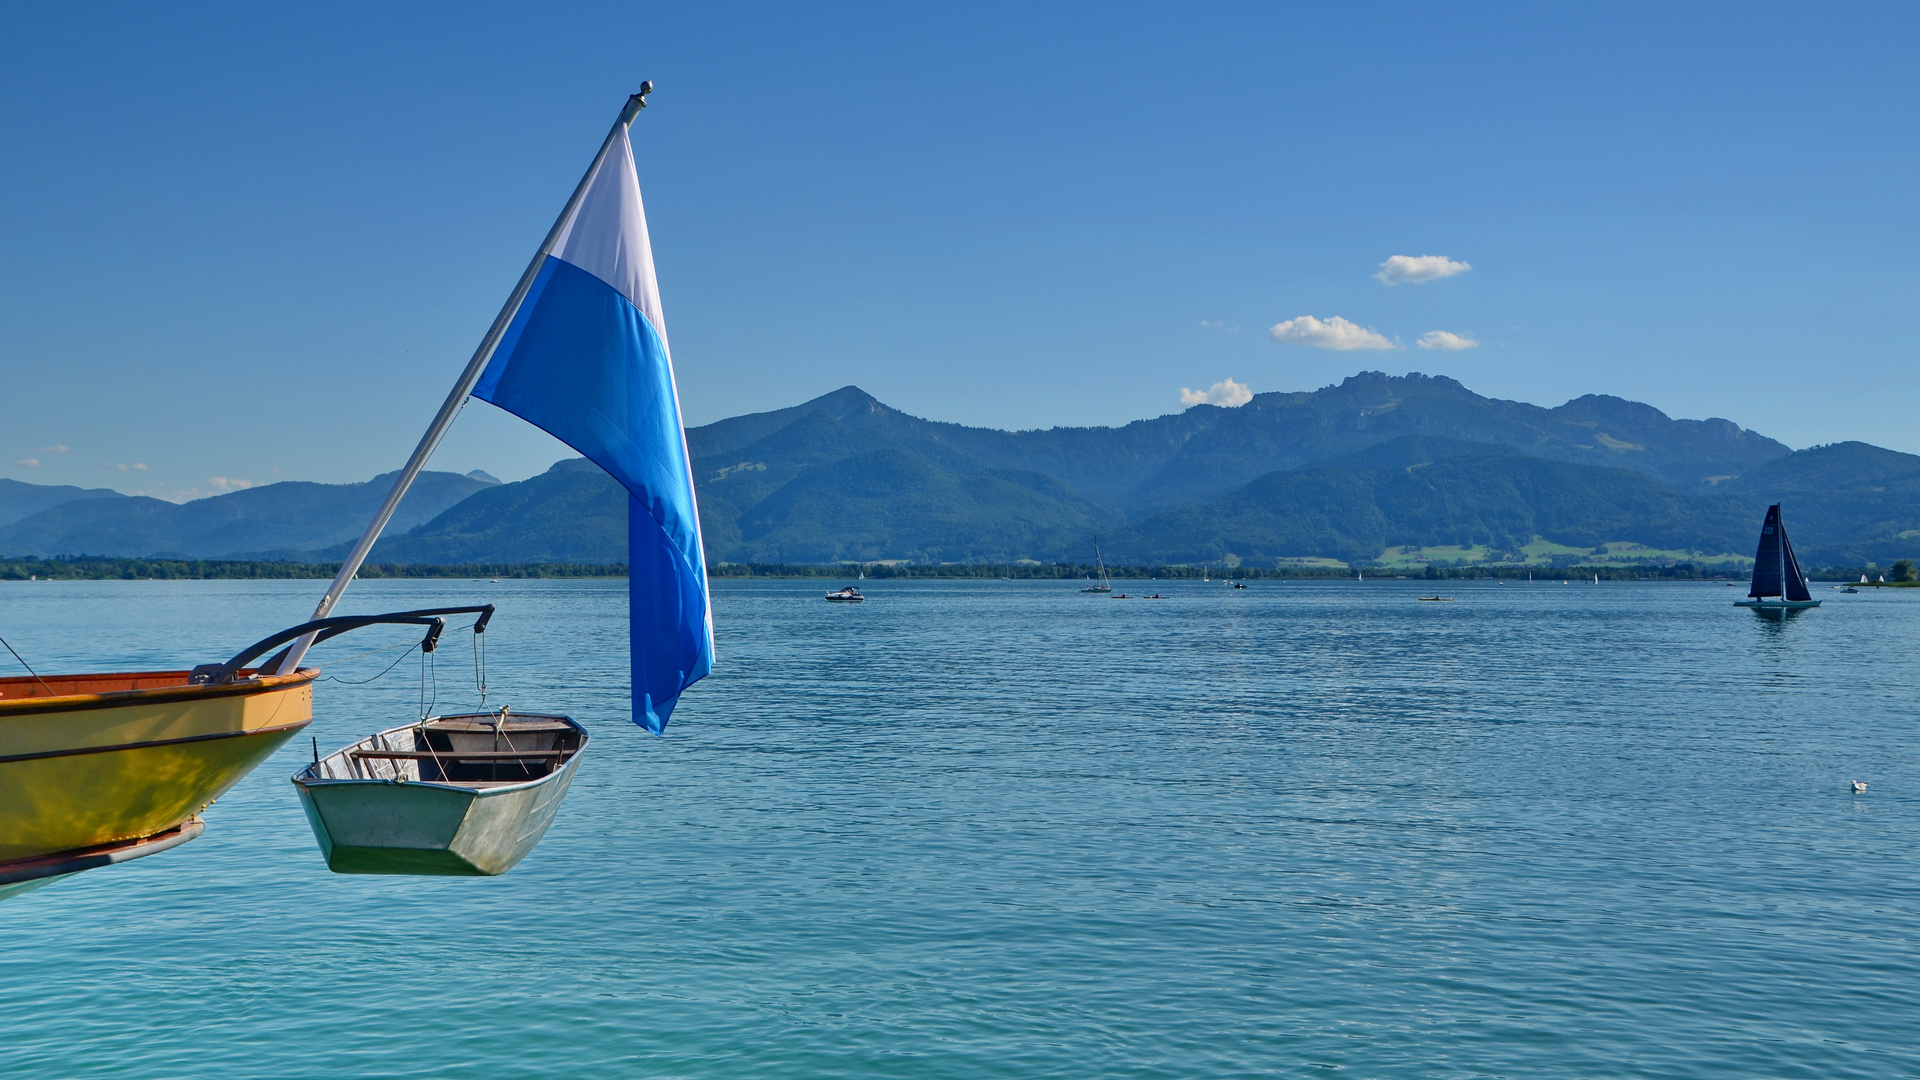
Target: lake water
1001,829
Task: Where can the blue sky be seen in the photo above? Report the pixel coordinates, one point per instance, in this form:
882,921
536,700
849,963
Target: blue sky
246,246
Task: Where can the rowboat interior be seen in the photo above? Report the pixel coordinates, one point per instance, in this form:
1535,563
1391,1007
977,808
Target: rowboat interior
478,750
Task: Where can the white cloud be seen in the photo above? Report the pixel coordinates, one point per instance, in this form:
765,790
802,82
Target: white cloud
1335,333
1415,269
1226,327
29,462
1225,392
228,483
138,466
56,448
1442,339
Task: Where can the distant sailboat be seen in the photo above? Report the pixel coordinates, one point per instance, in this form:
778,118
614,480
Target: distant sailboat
1778,584
1101,584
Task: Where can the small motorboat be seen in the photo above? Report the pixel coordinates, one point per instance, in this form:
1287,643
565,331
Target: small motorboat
456,796
1438,599
848,595
1239,584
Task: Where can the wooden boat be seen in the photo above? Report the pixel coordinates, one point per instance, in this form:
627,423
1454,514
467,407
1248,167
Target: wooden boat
99,769
88,761
848,595
1778,584
452,795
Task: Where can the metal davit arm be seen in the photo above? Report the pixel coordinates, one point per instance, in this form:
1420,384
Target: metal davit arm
458,397
322,629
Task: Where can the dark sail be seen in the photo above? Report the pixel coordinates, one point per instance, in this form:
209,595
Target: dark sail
1796,581
1767,560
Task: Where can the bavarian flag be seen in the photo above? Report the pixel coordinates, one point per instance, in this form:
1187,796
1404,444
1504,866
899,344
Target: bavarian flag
585,358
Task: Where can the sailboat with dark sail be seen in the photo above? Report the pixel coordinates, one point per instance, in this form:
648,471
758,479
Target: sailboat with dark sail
1778,584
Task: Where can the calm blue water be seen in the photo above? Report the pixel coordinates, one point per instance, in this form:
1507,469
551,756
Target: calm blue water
999,829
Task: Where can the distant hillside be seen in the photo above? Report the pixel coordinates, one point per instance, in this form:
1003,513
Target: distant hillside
1845,504
285,519
23,500
1434,492
1186,458
1346,472
572,513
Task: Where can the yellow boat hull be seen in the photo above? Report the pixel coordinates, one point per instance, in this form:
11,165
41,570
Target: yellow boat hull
91,760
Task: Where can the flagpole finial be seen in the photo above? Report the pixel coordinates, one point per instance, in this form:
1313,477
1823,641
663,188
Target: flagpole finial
636,102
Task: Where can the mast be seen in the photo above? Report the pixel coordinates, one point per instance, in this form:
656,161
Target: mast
450,409
1780,534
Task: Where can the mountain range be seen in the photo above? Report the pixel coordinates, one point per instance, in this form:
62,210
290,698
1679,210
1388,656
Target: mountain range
284,520
1355,472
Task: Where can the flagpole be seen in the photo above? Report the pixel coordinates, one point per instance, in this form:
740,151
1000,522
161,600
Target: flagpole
458,397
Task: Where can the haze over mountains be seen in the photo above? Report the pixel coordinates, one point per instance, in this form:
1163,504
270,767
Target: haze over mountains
1349,472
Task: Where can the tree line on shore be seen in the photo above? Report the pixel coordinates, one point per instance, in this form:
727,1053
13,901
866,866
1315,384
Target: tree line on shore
91,568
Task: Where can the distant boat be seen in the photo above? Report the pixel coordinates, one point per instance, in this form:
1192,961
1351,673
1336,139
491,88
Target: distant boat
848,595
1596,579
453,796
1103,583
1239,585
1438,599
1778,584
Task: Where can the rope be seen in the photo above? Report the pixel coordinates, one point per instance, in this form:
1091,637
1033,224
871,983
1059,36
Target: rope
349,682
428,670
480,668
35,674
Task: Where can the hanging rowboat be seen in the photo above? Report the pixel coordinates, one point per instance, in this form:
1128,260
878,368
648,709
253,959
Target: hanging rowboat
452,795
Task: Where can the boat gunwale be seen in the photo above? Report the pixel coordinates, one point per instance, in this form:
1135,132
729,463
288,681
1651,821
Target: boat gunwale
302,779
117,699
